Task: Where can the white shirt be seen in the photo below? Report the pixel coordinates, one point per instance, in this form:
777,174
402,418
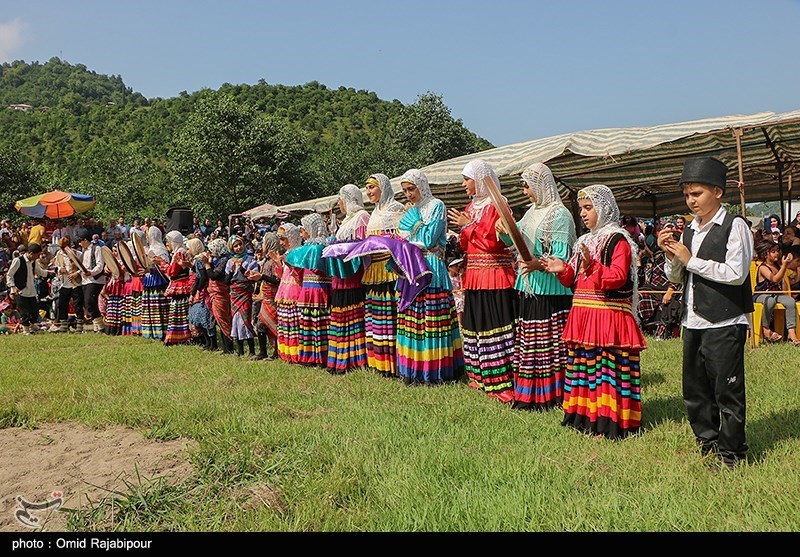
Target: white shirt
27,290
99,265
733,271
67,267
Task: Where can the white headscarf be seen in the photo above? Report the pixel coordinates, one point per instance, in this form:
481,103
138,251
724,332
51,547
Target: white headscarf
292,234
388,211
155,245
425,204
607,224
175,240
356,217
478,170
542,216
314,225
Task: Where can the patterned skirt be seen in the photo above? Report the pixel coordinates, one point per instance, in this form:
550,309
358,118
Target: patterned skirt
540,356
134,302
313,337
178,321
155,312
428,342
380,323
200,318
347,342
241,310
488,329
601,391
288,331
221,305
113,316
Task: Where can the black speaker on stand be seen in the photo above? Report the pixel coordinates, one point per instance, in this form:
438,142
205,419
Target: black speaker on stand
180,219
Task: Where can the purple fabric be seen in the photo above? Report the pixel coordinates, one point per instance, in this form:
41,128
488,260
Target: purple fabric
408,261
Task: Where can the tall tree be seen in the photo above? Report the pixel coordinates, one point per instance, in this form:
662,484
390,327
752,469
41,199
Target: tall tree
228,157
17,181
427,133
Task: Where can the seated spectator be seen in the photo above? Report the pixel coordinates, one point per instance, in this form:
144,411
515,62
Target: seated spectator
768,287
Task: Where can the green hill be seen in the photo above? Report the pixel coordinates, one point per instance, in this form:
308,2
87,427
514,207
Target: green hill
94,134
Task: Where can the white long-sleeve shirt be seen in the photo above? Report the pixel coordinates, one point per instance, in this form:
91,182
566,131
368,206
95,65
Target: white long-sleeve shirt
733,271
27,290
99,265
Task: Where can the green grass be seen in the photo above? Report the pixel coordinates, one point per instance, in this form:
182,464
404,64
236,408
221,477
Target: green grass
281,447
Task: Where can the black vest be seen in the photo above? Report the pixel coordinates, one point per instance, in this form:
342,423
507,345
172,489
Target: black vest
714,301
21,276
625,292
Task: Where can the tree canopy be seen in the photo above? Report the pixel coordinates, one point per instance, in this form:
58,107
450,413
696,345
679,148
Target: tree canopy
90,133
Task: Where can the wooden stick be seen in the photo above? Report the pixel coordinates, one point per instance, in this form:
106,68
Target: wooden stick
505,213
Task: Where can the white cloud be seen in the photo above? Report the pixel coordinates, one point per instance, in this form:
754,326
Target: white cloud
11,37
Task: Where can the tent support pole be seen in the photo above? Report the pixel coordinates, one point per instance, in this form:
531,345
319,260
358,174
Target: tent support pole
737,133
789,190
780,191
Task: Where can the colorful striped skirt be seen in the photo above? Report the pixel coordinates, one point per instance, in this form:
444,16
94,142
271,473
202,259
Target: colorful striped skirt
113,315
241,310
380,323
313,338
220,294
488,329
347,341
602,391
288,331
540,356
178,321
428,342
134,310
155,312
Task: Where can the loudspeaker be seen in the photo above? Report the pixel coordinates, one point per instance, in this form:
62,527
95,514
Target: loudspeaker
180,219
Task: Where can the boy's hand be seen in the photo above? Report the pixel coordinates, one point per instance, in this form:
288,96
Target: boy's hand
678,251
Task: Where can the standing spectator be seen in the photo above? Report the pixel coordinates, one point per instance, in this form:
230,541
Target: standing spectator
680,224
21,282
123,229
36,234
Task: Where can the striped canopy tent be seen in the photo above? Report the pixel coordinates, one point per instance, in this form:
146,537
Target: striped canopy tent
641,165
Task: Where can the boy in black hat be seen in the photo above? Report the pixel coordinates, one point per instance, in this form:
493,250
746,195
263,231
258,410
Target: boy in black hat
712,260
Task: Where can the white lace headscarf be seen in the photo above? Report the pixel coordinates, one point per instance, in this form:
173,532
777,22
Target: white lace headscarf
356,216
388,211
543,215
314,225
607,224
426,204
155,244
175,240
292,234
478,170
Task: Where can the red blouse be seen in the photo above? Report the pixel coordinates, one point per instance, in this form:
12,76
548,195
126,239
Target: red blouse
489,261
597,319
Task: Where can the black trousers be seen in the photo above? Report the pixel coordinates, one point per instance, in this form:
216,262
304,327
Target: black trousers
64,296
713,387
91,292
28,309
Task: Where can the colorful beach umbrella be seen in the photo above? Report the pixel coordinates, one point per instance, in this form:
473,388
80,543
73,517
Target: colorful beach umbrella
55,205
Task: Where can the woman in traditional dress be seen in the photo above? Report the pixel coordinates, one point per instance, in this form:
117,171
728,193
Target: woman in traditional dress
266,323
489,296
287,294
602,384
179,289
201,321
114,292
155,306
314,297
237,271
429,347
380,298
540,355
347,348
215,260
133,300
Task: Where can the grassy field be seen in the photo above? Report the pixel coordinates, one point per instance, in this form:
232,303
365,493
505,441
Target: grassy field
364,453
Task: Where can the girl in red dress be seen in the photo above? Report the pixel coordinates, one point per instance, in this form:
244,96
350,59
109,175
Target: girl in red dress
601,387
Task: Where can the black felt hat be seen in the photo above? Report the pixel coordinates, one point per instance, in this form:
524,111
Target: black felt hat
704,170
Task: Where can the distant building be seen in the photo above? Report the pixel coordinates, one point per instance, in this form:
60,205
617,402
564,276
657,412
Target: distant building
22,107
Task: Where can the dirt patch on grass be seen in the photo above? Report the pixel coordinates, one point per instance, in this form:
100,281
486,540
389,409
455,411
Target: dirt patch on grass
79,464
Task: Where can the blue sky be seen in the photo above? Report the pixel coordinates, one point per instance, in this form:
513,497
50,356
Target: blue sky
511,70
